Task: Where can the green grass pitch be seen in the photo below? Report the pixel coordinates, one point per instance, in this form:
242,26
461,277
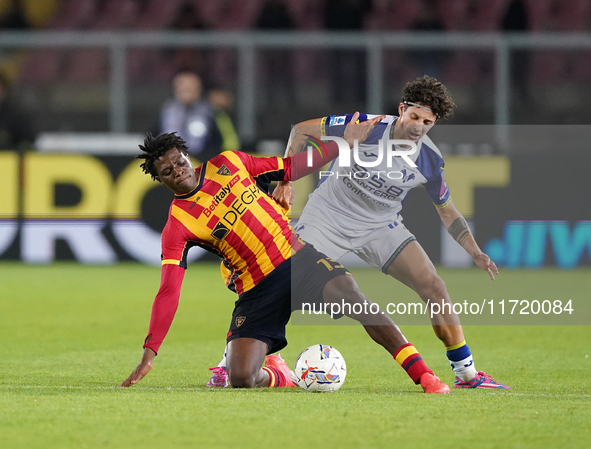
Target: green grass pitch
71,333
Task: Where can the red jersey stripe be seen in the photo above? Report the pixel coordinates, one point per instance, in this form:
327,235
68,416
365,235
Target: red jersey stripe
260,230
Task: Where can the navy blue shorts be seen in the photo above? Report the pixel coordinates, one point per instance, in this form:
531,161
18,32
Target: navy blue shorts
263,311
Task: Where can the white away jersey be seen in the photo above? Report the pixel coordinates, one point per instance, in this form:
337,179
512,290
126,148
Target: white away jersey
360,197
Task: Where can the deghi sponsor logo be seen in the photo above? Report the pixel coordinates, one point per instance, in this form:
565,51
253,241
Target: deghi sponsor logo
236,209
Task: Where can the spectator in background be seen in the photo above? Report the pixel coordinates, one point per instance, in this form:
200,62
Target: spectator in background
14,17
516,20
222,100
515,17
16,127
429,60
191,117
275,16
189,59
346,15
348,65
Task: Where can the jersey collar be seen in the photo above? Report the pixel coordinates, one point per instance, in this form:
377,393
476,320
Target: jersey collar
392,126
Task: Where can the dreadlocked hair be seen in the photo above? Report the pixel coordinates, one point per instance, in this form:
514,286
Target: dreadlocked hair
156,147
430,92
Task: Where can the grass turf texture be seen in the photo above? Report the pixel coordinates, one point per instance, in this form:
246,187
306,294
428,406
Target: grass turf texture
71,333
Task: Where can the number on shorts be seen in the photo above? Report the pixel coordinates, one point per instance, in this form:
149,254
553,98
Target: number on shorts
329,263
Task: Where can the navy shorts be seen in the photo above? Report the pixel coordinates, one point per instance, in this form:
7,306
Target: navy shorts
263,311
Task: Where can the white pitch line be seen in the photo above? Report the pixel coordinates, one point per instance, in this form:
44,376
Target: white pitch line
78,387
545,395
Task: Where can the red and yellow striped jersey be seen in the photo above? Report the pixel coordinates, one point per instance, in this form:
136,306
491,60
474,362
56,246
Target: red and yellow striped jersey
228,215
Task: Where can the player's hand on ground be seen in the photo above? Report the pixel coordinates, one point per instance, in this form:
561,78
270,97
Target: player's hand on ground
484,262
360,131
141,370
284,194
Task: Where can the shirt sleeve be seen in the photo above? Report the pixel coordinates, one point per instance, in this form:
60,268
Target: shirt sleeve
272,167
289,168
165,305
430,163
175,246
174,262
438,191
334,125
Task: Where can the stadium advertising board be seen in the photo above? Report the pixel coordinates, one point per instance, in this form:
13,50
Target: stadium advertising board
82,207
527,210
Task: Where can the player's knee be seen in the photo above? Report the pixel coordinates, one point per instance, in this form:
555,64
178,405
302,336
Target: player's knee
242,378
355,297
342,288
433,287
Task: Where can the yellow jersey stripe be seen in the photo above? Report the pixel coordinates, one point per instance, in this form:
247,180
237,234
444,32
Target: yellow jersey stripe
188,221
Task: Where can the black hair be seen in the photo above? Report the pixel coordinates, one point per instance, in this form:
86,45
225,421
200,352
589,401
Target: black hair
156,147
428,91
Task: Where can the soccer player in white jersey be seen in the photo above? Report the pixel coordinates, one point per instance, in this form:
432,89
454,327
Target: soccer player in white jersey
358,209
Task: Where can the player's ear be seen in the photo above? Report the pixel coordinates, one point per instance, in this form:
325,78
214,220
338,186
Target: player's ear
400,109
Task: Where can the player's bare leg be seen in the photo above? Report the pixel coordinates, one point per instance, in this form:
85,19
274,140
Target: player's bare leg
383,331
380,326
414,269
244,359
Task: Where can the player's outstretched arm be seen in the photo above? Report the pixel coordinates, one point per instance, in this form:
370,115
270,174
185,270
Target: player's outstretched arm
163,311
297,144
141,370
300,134
457,227
284,193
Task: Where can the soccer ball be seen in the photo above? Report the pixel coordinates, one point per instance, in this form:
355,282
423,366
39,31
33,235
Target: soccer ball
320,368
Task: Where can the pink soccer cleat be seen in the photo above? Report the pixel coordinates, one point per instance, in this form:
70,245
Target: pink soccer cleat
431,384
482,380
287,377
219,377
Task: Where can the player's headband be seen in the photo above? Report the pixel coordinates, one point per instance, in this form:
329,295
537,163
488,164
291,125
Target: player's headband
410,103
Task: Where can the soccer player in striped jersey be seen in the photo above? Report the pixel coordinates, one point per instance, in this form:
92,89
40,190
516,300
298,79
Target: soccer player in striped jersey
219,207
358,209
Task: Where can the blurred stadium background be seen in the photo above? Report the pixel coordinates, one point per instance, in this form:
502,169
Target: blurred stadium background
88,79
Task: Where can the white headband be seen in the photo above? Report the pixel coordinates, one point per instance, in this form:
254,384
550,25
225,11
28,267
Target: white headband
410,103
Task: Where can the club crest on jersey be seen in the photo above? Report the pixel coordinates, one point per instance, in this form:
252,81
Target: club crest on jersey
220,231
240,320
407,176
224,171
